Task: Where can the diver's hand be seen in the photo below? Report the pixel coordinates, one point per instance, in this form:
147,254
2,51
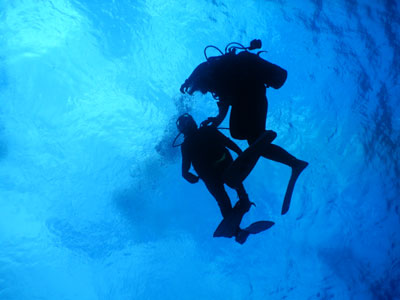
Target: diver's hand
192,178
211,121
185,88
239,152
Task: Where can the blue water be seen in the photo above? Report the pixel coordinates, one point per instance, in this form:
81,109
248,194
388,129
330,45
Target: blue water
92,203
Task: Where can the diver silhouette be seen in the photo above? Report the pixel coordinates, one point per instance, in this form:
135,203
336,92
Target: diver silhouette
239,80
206,149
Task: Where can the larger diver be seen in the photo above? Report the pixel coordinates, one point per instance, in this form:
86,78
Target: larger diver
239,79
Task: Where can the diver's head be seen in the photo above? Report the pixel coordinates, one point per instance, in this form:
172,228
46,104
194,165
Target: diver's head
200,79
186,124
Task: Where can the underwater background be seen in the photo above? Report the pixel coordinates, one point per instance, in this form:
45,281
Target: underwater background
92,202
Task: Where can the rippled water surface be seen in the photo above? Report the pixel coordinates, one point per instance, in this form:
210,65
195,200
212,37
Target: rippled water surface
92,203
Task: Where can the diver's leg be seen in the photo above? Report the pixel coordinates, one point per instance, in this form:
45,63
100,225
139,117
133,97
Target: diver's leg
230,225
244,203
278,154
242,206
238,171
218,191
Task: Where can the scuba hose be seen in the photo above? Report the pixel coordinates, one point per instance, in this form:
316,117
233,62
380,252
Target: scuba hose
174,145
211,46
233,46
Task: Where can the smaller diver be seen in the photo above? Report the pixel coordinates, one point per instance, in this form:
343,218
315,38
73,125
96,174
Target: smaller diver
206,149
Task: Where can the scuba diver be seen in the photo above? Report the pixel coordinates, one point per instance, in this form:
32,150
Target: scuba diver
239,79
206,149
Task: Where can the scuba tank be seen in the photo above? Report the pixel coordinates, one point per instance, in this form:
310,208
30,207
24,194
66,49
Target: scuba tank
231,67
243,60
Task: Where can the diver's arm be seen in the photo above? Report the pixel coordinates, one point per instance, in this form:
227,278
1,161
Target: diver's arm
222,111
185,168
216,121
228,143
232,145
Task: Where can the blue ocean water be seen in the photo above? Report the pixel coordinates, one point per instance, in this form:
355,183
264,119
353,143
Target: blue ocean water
92,202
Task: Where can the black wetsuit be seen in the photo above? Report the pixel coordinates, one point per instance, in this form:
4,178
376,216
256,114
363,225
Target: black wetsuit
206,150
